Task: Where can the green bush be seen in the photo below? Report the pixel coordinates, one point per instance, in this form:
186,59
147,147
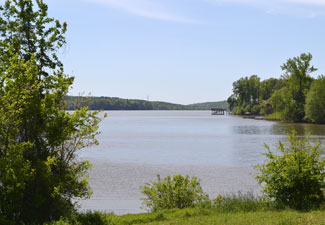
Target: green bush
174,192
86,218
93,218
294,178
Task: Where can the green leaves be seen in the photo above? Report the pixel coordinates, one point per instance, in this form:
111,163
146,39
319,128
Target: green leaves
40,175
27,30
315,101
285,96
295,177
173,192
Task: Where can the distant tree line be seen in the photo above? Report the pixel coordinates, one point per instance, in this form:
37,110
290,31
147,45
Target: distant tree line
295,96
108,103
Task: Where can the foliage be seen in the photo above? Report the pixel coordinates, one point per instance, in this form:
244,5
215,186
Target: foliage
298,80
286,96
208,105
27,30
246,93
86,218
232,101
295,178
40,176
250,93
315,101
278,99
107,103
269,86
173,192
266,108
285,105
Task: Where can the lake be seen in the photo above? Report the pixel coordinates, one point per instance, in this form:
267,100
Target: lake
135,146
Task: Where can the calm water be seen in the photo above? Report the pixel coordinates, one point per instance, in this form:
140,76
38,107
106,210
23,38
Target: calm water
137,145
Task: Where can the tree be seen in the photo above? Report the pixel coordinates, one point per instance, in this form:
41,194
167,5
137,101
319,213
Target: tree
246,95
27,30
232,102
315,101
268,87
295,178
298,80
40,174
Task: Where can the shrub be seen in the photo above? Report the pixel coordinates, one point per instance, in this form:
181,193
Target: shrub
174,192
86,218
93,218
295,178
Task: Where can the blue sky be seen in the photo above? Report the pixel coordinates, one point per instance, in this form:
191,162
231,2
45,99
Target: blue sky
184,51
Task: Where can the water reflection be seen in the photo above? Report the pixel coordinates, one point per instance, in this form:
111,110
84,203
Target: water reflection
257,127
302,129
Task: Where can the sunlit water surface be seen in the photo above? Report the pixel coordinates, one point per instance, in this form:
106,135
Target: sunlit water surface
135,146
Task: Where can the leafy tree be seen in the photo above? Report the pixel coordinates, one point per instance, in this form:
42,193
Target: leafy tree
279,98
254,89
268,87
315,101
246,95
266,107
27,30
174,192
232,101
298,80
40,175
282,102
295,178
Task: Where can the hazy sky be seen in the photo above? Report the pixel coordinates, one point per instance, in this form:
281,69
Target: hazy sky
184,51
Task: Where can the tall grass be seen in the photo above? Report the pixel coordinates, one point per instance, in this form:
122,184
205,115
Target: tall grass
234,203
240,202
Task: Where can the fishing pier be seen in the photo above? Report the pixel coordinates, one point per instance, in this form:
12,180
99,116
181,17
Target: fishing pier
219,111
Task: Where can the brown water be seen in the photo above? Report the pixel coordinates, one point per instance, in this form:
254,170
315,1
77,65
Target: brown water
220,150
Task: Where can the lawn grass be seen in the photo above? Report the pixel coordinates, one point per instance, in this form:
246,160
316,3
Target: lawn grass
209,216
236,209
196,216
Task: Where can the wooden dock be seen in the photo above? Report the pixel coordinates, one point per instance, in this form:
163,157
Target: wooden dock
219,111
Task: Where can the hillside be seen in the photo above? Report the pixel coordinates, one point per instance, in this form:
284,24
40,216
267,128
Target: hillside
109,103
208,105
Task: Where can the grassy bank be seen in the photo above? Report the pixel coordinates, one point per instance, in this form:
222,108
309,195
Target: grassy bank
274,116
239,209
204,216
